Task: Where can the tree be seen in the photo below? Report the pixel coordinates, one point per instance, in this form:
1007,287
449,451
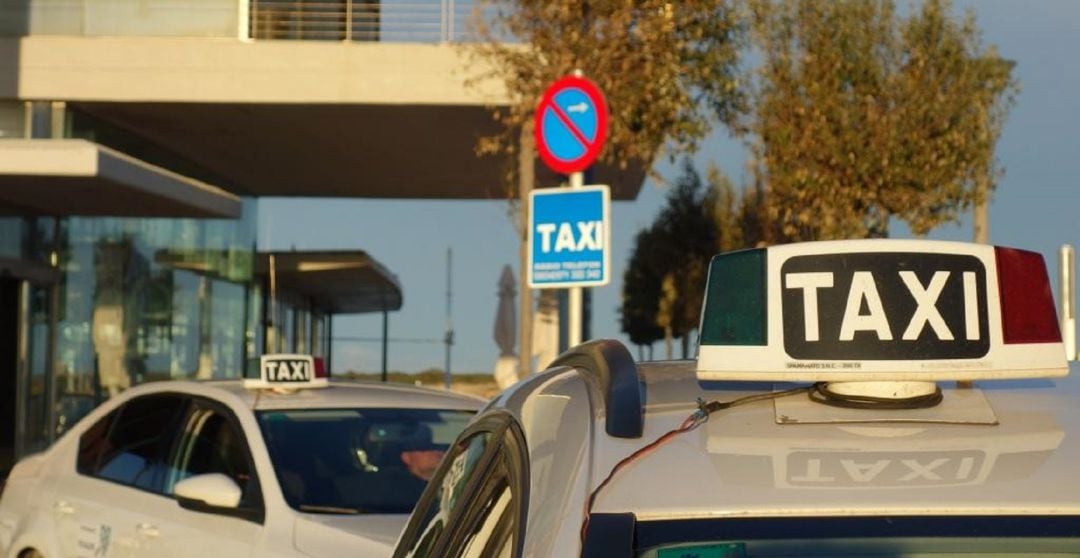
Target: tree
726,211
688,239
860,116
668,69
665,278
641,294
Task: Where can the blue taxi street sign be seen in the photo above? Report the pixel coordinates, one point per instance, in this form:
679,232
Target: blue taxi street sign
570,124
569,237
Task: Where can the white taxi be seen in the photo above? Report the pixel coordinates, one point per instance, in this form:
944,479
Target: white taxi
853,398
286,465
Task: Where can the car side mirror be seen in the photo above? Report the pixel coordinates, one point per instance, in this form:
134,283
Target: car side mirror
213,490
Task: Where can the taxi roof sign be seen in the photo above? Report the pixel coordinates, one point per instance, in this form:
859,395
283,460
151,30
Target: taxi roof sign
879,310
287,371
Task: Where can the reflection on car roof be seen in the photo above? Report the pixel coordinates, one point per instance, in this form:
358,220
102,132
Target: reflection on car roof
742,462
341,393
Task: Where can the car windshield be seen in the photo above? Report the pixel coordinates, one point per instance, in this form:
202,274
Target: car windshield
908,536
353,461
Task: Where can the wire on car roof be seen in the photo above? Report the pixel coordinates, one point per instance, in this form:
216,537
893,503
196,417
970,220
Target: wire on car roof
697,418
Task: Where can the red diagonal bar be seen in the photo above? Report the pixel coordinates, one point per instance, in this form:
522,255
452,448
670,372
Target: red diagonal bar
570,126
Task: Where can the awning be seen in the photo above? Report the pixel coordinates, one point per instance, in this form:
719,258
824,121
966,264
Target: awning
336,282
339,150
77,177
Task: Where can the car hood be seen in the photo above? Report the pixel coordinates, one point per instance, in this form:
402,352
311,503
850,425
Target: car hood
361,536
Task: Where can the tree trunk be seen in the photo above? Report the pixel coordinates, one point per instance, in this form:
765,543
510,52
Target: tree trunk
526,177
669,339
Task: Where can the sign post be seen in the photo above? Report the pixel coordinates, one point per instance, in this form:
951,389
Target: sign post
570,127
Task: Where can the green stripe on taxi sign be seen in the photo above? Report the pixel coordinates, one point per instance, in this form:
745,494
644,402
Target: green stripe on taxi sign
736,304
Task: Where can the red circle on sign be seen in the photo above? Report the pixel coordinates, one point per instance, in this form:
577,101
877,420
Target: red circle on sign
592,146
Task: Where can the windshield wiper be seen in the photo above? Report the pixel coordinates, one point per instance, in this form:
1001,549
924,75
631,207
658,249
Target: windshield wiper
329,509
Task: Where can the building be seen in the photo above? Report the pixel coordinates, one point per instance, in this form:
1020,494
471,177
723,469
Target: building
135,141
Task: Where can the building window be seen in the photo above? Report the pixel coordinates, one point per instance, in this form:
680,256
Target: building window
150,299
325,20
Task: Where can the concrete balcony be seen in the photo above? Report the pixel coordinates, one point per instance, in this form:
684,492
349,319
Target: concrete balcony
287,117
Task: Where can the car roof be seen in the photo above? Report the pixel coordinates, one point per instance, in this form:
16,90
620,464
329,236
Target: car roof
338,394
754,460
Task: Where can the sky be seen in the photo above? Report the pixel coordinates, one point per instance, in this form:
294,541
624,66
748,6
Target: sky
1035,207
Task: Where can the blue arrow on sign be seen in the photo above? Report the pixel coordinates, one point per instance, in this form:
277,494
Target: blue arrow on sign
570,125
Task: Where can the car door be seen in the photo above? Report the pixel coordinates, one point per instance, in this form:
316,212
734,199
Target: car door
213,442
119,471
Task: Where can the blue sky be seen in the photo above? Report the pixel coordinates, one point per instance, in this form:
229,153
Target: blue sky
1035,207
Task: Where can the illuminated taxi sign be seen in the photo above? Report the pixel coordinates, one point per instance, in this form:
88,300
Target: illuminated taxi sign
879,310
286,371
835,306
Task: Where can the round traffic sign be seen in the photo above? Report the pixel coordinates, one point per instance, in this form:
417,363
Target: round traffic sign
571,124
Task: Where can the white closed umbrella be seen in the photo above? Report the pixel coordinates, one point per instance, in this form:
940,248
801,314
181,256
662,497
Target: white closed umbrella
506,373
505,315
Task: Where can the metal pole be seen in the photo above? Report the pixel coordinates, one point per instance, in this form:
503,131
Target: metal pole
449,320
980,212
385,328
1067,275
272,341
348,20
574,294
51,366
444,29
573,328
450,11
22,368
243,19
329,343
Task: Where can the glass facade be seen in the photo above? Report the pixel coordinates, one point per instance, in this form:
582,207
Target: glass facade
37,389
151,299
97,305
139,299
294,326
27,238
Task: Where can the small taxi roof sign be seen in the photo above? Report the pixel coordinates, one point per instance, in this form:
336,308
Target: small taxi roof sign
286,371
879,310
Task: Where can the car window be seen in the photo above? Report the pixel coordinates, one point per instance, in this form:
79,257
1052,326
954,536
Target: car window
94,443
355,461
136,448
432,520
491,526
215,444
473,507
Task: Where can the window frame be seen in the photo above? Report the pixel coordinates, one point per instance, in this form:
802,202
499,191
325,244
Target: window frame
256,510
506,456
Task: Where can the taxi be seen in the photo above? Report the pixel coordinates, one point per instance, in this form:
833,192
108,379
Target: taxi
285,465
849,398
